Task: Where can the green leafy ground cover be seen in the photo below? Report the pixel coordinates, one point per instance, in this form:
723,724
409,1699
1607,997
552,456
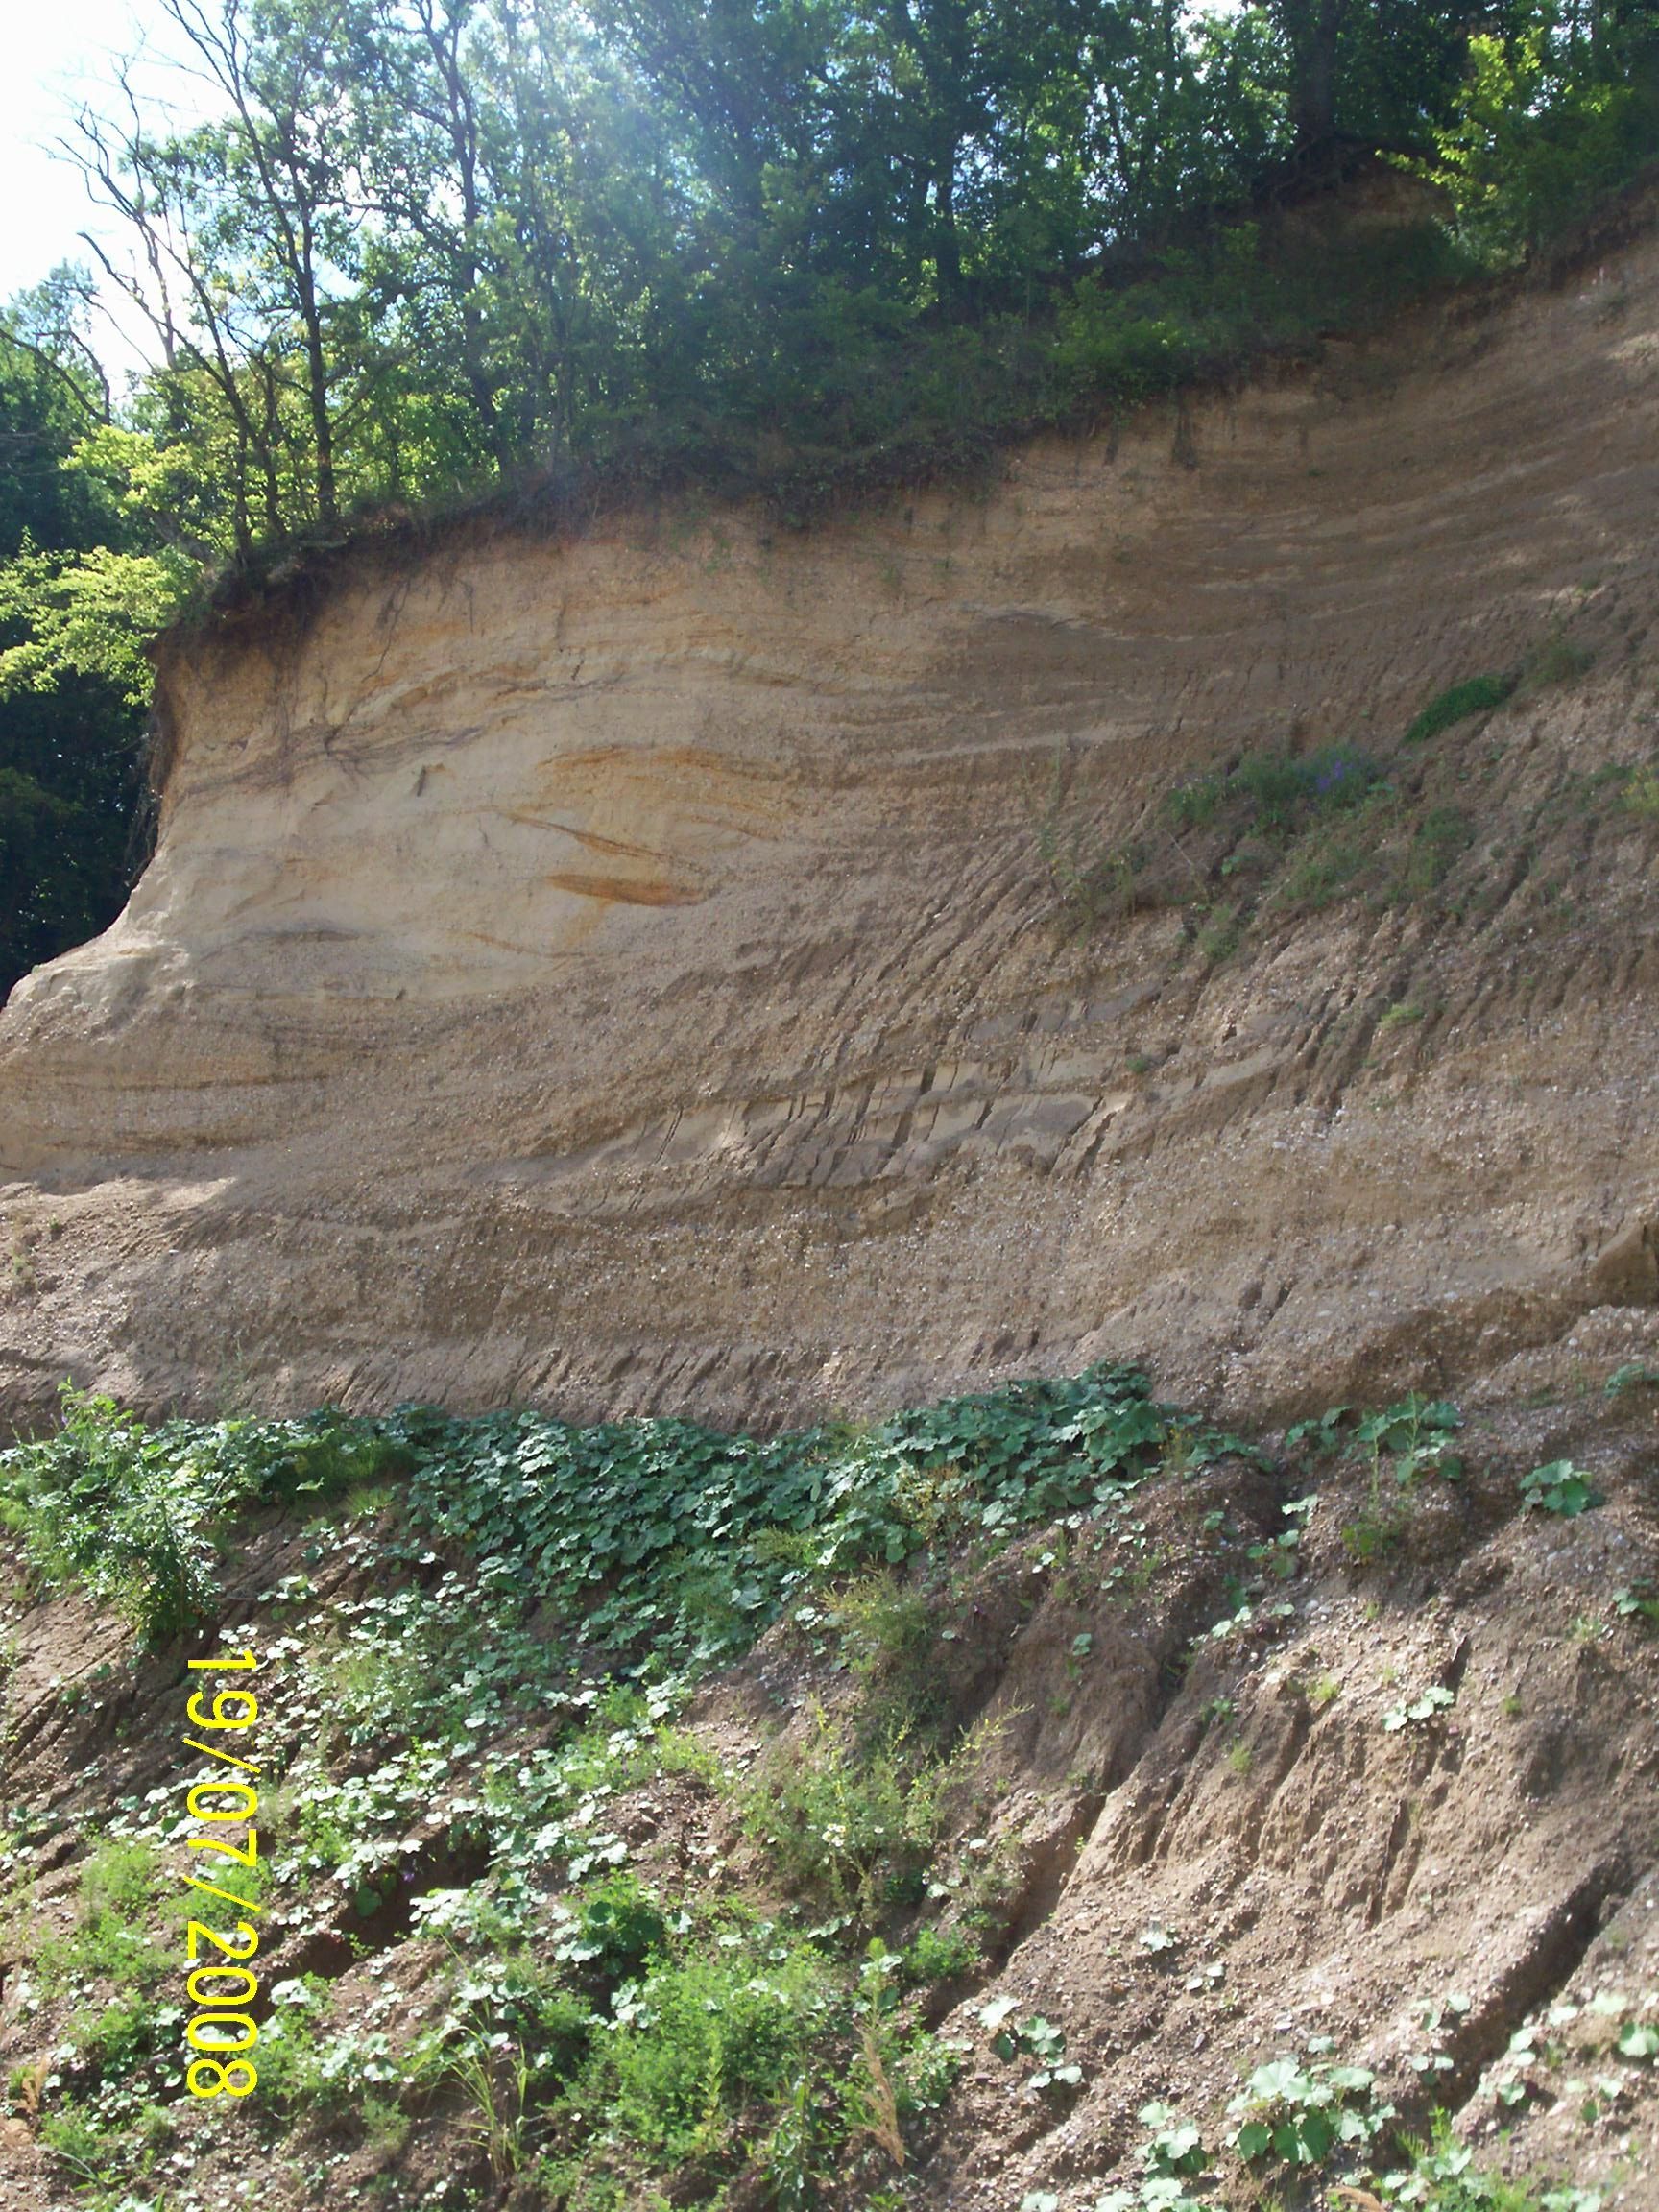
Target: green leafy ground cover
474,1677
543,1599
645,1537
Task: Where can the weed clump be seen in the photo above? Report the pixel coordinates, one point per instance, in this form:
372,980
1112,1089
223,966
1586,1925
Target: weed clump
130,1511
853,1824
1479,695
1277,792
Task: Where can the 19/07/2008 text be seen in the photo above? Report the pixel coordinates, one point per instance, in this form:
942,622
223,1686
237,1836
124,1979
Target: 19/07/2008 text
215,2031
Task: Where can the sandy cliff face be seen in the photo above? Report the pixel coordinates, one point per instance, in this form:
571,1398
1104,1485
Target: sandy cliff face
626,972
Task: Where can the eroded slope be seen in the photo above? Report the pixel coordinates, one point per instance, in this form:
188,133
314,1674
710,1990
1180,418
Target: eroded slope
1043,1796
699,966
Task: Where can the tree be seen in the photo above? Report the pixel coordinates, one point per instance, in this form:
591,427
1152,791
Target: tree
1377,73
68,738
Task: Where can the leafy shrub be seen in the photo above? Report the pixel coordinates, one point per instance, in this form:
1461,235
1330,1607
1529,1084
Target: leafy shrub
1191,805
707,2031
1559,1488
1173,2145
1434,1702
1300,2114
1404,1441
1479,695
1534,145
889,1638
855,1824
1325,871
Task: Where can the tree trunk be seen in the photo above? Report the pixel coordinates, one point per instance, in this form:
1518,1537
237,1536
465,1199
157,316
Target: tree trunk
1313,93
317,385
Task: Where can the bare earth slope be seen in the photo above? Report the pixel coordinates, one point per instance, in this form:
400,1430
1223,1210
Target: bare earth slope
625,971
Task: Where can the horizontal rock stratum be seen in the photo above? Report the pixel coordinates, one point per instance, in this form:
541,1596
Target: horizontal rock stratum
699,965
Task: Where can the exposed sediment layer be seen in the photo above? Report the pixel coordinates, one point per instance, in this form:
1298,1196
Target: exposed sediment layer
625,970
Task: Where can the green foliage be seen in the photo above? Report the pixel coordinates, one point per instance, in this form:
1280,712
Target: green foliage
855,1824
940,1955
1559,1488
1557,660
614,1929
1437,839
1434,1702
107,1503
1398,1445
1278,791
730,2042
128,1510
1412,1439
664,1533
1277,833
1479,695
1173,2146
1443,2176
1299,2114
1548,121
1638,1601
706,2032
614,2033
69,731
1036,2038
888,1632
110,1943
1640,795
88,614
1404,1441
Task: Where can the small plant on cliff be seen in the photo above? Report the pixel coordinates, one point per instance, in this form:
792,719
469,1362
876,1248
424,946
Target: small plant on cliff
1559,1488
1477,696
1412,1439
1276,792
1399,1447
1641,793
855,1826
1442,2177
1557,660
1434,1702
1638,1601
1300,2114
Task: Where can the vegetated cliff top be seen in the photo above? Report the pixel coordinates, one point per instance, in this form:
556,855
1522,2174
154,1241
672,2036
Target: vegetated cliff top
1048,895
1356,251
